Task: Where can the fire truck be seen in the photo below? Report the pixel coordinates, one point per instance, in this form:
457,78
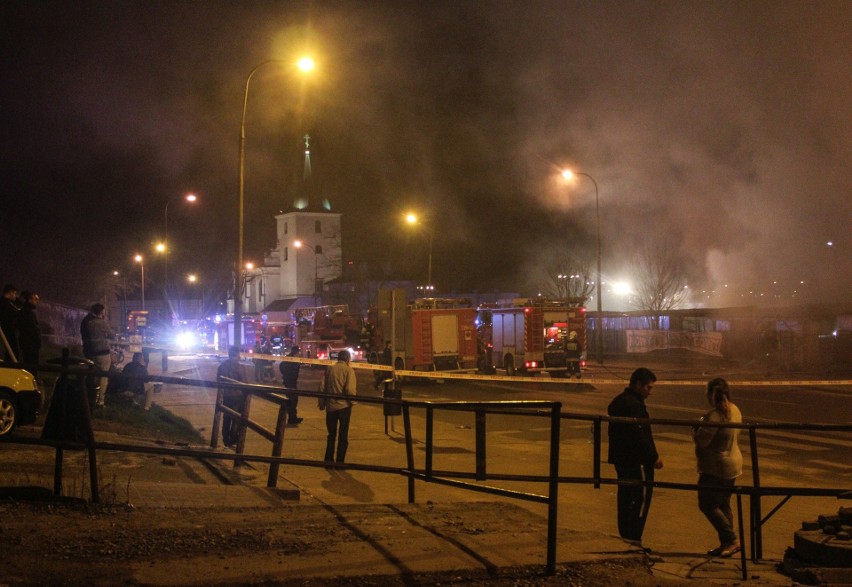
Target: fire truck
324,330
430,334
534,335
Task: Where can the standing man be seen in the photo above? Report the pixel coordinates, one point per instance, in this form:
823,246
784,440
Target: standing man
232,398
9,312
290,377
29,332
339,380
385,359
634,454
96,334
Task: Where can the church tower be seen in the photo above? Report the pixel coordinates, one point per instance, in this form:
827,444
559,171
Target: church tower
307,255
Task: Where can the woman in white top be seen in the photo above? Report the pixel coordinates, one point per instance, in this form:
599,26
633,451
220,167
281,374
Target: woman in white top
720,462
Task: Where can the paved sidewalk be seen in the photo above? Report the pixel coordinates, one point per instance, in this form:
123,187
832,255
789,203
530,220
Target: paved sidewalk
374,507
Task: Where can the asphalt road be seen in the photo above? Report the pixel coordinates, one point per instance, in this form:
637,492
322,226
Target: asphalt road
786,457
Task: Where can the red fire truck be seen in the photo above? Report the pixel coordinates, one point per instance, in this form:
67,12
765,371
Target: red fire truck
323,330
534,335
430,334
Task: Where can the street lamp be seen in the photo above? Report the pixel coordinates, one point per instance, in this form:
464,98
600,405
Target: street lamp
304,64
316,251
123,299
412,219
140,260
191,198
569,175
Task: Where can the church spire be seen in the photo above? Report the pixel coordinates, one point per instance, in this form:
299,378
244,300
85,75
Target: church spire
308,198
307,178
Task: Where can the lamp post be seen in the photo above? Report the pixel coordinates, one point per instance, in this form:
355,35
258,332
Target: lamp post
412,219
191,198
141,261
568,174
299,245
123,300
304,64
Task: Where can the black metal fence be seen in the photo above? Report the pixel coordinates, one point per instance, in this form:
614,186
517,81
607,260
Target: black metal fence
552,411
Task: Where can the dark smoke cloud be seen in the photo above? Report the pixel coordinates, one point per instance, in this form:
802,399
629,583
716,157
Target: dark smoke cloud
725,125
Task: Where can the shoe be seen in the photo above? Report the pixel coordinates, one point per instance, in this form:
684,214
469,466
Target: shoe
716,551
730,549
298,420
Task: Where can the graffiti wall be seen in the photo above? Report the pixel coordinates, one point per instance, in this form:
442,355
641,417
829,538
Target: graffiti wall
644,341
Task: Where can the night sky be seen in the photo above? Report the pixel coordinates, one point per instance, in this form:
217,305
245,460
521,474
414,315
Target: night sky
723,126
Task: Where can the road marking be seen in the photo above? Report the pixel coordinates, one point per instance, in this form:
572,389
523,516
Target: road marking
805,437
760,442
845,469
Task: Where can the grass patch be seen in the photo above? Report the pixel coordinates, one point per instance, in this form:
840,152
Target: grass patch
155,424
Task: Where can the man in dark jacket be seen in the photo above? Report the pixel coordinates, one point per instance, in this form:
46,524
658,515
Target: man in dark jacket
290,377
634,454
9,313
96,335
29,332
233,398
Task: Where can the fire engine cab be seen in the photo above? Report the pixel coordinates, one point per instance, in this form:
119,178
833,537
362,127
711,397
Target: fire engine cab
534,335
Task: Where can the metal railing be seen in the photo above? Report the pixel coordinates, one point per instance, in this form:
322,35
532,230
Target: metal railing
460,479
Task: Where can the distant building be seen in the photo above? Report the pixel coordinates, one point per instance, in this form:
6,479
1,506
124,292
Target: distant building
307,254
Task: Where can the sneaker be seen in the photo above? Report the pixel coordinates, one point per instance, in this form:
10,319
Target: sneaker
716,551
731,549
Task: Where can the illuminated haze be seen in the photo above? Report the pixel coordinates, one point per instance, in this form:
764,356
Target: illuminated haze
727,125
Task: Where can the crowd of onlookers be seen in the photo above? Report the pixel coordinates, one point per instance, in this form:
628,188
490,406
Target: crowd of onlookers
21,334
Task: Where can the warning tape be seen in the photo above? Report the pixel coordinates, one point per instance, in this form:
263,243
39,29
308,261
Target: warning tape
545,379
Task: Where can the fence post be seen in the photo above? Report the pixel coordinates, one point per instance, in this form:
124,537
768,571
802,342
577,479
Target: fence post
755,530
596,473
553,487
430,423
278,443
409,451
480,445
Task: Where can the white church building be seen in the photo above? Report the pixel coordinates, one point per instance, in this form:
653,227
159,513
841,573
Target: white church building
307,255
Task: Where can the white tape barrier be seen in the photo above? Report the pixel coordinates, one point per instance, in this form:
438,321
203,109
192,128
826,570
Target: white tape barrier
544,379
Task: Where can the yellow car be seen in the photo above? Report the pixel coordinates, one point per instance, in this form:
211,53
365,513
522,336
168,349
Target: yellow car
20,399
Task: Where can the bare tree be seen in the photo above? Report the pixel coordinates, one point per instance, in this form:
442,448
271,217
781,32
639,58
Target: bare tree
661,279
570,277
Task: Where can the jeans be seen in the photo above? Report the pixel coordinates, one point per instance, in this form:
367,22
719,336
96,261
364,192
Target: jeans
337,424
634,501
716,506
231,427
102,363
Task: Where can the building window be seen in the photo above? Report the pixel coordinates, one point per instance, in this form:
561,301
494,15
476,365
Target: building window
286,253
318,249
318,227
285,228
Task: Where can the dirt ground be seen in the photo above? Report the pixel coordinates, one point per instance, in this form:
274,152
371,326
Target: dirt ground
75,543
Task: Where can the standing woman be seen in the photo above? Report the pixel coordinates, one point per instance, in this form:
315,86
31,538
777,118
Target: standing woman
720,462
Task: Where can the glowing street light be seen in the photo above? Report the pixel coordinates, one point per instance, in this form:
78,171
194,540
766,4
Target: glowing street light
305,64
411,218
141,261
190,198
569,175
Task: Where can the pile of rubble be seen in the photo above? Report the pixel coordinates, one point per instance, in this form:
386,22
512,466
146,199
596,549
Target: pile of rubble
822,552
